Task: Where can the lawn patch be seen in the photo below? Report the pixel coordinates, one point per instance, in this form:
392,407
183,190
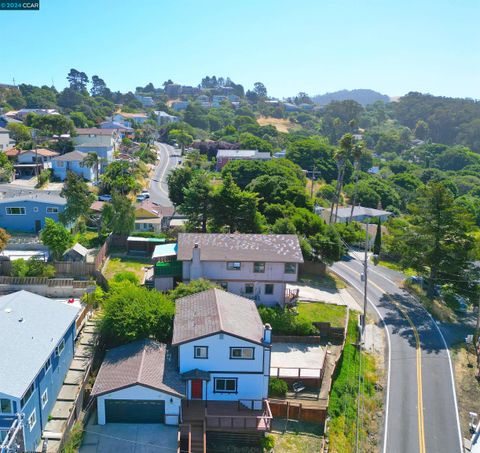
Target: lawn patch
296,437
123,264
324,281
321,312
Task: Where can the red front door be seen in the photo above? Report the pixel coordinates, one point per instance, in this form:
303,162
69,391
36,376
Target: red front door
197,388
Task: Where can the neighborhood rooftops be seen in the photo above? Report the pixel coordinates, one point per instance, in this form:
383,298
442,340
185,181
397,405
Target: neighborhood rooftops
40,151
115,125
243,154
280,248
216,311
31,326
360,211
145,362
94,131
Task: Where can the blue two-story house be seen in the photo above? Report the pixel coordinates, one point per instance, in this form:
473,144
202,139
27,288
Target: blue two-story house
37,335
72,161
26,210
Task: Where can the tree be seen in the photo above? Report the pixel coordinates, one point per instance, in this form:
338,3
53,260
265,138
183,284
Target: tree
118,216
19,132
422,131
260,89
120,176
99,87
327,246
182,138
197,202
56,237
92,161
235,209
377,244
177,180
438,243
77,80
79,119
193,287
79,198
4,237
6,168
132,312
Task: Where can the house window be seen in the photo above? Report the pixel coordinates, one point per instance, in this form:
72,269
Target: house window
5,406
222,385
59,163
259,267
32,420
44,398
27,395
290,268
242,353
52,210
15,211
59,349
48,364
249,288
224,285
269,288
201,352
233,265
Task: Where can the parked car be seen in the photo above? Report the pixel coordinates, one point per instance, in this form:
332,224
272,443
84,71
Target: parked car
141,197
105,197
146,193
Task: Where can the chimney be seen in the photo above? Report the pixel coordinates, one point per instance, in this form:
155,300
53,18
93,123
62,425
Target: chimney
267,334
196,266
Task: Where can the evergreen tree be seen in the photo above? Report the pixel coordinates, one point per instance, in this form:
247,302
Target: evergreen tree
377,245
78,196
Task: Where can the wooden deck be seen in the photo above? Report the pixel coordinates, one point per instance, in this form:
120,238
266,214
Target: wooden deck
228,415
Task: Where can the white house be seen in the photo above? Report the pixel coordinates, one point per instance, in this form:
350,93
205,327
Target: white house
40,155
165,118
139,383
360,214
5,142
223,347
226,155
99,141
257,266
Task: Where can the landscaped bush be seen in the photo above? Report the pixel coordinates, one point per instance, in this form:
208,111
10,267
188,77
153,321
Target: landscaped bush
74,439
32,267
149,234
285,322
277,387
44,177
126,276
267,442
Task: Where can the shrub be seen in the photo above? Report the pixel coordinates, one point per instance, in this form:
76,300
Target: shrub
277,387
126,276
195,286
33,267
74,439
267,442
44,177
285,322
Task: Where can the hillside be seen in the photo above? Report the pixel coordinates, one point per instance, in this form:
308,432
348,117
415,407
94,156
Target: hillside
362,96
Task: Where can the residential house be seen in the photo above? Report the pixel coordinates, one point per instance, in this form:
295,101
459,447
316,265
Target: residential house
180,105
280,154
32,161
72,161
26,210
226,155
103,142
37,336
5,141
289,107
360,214
257,266
128,119
6,120
123,131
139,383
165,118
151,217
146,101
224,358
22,113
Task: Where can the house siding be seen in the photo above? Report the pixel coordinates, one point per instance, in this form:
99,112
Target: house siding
60,169
34,211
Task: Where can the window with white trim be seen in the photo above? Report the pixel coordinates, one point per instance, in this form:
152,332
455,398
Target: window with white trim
234,265
52,210
290,268
14,210
59,349
269,288
5,406
48,364
242,353
27,395
249,287
222,385
32,420
44,398
259,267
201,352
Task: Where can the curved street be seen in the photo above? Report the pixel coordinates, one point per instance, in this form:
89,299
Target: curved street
421,409
168,158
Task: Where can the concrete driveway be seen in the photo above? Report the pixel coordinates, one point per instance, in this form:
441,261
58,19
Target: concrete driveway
128,438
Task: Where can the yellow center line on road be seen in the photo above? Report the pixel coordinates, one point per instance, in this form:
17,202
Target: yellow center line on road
421,423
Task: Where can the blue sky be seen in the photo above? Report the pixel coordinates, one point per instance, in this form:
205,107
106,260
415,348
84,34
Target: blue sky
393,46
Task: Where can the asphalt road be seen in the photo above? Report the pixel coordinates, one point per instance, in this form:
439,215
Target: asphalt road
421,408
168,158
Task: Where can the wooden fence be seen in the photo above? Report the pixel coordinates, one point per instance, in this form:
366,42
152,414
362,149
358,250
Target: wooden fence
298,411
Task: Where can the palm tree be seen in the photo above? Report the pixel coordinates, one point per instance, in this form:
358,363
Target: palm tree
357,154
341,156
92,161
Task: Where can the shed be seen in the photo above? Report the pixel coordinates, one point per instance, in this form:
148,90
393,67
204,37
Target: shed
76,253
139,383
165,252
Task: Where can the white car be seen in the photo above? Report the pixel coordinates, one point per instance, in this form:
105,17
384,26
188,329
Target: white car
105,198
145,193
141,197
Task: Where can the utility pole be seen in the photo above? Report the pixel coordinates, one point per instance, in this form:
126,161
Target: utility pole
313,182
365,281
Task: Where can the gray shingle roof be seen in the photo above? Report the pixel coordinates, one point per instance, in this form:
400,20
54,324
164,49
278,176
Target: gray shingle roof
79,248
71,156
216,311
143,362
280,248
40,196
27,344
361,211
94,131
243,153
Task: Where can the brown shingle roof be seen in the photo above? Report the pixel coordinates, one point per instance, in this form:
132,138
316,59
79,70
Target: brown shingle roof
216,311
94,131
143,362
41,152
241,247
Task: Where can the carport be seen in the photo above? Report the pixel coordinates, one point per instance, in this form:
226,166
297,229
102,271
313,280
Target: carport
138,383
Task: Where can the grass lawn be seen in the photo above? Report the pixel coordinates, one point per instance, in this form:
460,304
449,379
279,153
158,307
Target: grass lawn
320,312
296,437
135,265
325,281
395,267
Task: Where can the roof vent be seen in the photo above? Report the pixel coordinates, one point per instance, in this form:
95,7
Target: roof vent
195,246
21,320
8,310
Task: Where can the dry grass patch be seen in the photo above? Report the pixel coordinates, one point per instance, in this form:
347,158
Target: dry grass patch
296,437
282,125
